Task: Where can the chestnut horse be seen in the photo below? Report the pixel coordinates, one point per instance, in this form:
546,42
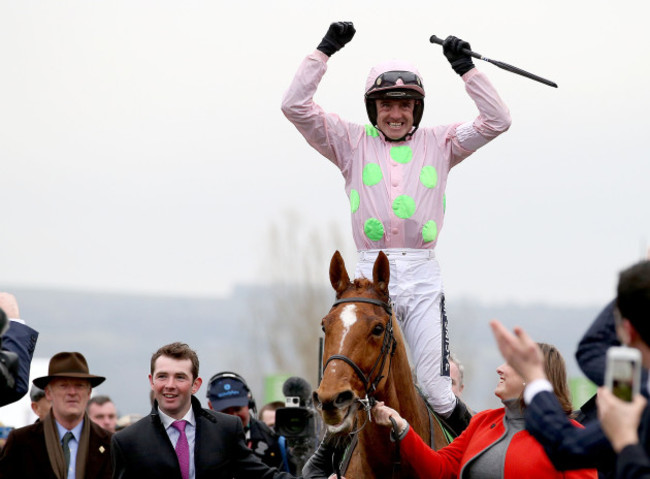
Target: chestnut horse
365,360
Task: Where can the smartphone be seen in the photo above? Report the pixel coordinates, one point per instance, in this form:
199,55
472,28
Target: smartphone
623,372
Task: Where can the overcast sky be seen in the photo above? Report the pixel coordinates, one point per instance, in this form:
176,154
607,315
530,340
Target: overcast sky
142,146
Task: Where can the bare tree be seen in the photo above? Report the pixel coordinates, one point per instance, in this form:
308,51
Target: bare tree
297,265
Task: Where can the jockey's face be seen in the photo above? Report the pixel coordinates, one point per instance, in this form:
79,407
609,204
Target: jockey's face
395,117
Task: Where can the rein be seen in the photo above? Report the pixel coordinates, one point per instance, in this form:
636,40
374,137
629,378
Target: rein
387,348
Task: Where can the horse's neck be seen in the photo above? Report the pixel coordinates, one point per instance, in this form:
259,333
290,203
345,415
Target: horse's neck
376,453
400,394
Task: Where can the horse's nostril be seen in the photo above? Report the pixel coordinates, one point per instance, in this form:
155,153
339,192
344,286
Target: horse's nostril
316,400
343,399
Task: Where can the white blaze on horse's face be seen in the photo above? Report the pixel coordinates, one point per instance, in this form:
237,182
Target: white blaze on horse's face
348,318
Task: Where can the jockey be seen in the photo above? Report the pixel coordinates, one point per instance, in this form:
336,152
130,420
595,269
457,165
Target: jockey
395,177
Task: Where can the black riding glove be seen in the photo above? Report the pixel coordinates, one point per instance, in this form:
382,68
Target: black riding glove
453,47
338,34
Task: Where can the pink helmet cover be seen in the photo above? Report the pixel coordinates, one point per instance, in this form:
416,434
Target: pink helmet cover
387,66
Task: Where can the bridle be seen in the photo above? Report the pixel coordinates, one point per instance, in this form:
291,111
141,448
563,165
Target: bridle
370,385
387,349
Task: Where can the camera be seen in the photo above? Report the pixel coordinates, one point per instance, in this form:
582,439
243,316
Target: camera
623,372
292,401
297,420
294,422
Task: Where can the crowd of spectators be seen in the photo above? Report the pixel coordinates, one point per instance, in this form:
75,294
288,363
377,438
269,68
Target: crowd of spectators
78,434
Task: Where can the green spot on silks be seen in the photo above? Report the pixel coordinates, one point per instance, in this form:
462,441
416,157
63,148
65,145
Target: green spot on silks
444,203
371,131
429,177
373,229
404,206
354,200
401,154
429,231
372,174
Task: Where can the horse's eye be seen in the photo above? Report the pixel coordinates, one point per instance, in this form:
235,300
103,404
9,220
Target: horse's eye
377,330
322,327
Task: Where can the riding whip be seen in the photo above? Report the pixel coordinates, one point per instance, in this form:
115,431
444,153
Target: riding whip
504,66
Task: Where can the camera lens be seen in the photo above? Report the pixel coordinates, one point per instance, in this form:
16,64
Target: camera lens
294,422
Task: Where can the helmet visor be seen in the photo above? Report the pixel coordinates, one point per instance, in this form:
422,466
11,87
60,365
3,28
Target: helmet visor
396,80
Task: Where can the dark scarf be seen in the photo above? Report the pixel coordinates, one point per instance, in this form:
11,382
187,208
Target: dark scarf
55,449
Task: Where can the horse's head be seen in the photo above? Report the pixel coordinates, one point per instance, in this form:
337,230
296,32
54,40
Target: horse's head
359,342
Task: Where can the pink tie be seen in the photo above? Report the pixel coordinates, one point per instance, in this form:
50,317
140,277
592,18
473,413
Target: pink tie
183,449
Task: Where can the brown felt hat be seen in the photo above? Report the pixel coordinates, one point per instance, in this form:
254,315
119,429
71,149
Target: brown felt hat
68,365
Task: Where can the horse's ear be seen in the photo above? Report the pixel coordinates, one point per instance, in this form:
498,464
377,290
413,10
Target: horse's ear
338,274
381,272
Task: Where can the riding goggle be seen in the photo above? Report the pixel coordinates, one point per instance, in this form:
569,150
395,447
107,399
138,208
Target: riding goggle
396,78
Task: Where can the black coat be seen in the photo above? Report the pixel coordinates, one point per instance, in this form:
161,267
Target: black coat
591,353
572,448
144,449
265,444
19,339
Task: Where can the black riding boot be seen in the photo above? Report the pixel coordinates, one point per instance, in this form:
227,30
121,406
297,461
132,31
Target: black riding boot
459,418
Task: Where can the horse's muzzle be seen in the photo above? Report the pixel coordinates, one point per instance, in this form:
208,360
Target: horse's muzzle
337,410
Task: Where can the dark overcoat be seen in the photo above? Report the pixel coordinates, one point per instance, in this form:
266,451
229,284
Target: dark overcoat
220,452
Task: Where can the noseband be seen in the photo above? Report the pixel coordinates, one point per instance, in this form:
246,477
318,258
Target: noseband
387,348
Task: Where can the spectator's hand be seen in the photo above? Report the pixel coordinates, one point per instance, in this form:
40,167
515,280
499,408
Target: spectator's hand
619,419
520,351
338,34
452,48
9,305
382,414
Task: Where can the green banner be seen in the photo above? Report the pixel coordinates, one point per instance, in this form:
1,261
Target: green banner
581,391
273,387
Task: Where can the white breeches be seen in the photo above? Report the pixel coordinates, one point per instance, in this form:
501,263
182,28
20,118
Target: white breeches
416,292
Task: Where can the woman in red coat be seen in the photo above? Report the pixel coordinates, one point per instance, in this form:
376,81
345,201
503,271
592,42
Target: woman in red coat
496,443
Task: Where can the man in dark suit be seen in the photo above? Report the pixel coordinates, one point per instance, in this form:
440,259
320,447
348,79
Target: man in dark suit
18,339
570,448
66,444
180,439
